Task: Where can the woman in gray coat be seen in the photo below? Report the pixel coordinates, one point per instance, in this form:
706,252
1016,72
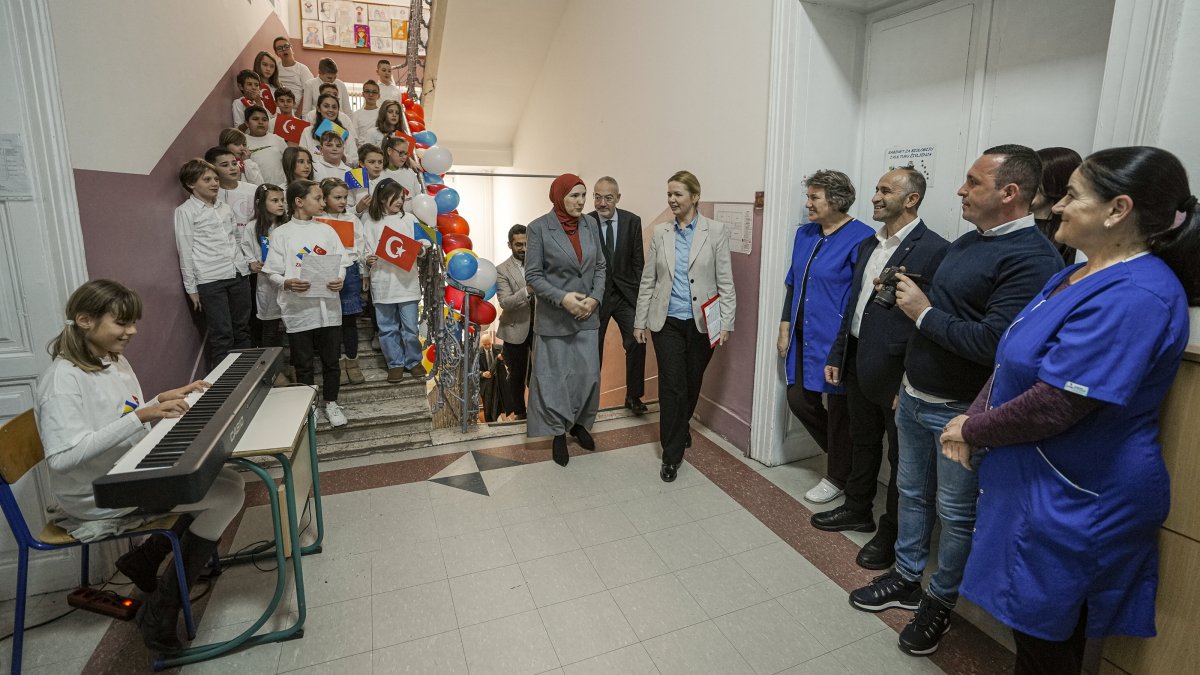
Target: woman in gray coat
564,266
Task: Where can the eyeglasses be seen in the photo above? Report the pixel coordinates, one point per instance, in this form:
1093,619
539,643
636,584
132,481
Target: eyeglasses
283,47
610,199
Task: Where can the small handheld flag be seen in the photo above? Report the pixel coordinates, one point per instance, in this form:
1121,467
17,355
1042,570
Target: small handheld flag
398,249
265,244
289,128
357,178
327,125
344,229
268,98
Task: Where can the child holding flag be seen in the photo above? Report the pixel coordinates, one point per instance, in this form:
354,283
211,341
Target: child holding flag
328,119
251,89
395,291
370,169
313,323
266,149
270,211
330,163
336,193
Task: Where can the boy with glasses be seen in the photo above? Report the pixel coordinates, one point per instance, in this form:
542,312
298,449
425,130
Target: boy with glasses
292,73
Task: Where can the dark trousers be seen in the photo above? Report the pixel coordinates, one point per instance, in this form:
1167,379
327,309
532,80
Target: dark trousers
226,305
270,332
683,353
324,342
516,357
350,335
256,327
1036,656
869,423
830,428
615,306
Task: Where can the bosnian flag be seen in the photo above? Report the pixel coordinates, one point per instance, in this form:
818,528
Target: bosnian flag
290,129
327,125
357,178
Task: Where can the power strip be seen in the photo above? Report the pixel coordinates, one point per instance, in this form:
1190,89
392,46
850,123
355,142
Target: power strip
106,603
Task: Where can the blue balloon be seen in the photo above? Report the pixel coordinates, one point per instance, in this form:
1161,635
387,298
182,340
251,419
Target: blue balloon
433,179
491,292
419,233
447,200
462,265
425,137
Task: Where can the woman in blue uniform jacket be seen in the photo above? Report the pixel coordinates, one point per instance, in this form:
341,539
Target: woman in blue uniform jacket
1073,485
818,285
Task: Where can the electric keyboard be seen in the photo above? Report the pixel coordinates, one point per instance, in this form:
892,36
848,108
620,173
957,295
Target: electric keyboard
179,459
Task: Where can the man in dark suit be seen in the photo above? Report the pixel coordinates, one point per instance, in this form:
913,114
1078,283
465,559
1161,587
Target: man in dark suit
868,358
621,240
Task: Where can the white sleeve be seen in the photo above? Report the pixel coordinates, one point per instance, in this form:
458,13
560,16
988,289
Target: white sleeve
274,265
239,113
184,231
250,247
68,440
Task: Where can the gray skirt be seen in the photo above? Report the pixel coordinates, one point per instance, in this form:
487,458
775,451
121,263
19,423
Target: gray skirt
564,383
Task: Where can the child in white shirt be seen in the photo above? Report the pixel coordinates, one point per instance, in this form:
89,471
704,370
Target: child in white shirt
386,122
235,141
266,149
313,324
370,158
327,109
336,193
327,72
330,163
235,193
251,90
297,165
270,211
364,118
401,167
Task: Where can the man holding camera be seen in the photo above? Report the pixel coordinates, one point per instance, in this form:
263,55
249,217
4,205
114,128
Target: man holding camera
987,276
868,355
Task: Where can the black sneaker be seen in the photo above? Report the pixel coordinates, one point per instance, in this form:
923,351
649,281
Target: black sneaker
886,591
923,634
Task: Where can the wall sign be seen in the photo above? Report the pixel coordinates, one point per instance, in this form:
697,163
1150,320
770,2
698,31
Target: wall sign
921,157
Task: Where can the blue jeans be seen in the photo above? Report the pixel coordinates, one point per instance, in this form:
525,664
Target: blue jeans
398,333
930,486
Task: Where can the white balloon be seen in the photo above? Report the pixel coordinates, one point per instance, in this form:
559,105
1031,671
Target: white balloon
484,277
437,160
424,208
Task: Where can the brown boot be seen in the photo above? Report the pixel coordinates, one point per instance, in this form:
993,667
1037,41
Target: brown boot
354,372
160,612
395,375
344,377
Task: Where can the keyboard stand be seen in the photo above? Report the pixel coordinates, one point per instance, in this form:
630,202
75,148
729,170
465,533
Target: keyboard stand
284,425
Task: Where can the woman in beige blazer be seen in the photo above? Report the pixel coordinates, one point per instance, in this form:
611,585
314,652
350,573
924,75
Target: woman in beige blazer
687,266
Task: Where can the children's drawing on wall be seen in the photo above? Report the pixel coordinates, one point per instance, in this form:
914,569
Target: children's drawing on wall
331,34
398,13
312,33
308,9
328,10
379,13
399,30
360,13
346,36
362,36
382,45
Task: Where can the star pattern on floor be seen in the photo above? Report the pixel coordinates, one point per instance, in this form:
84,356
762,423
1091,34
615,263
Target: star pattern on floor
468,473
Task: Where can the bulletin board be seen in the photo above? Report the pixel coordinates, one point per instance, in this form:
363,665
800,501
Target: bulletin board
379,27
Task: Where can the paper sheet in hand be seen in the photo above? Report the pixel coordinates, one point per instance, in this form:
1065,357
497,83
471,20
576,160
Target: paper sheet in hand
712,319
318,271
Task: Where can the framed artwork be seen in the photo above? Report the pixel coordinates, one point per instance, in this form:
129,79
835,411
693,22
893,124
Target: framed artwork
379,27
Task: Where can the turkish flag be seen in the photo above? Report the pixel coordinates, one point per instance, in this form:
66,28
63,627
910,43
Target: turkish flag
268,98
290,129
398,249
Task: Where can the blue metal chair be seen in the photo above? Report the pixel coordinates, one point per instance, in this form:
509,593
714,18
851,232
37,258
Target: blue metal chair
21,450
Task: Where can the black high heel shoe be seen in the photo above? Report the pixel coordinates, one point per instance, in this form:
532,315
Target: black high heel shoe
561,457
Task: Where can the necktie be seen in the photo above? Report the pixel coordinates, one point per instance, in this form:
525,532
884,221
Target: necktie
609,241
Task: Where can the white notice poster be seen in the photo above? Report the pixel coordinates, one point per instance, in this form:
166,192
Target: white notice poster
739,225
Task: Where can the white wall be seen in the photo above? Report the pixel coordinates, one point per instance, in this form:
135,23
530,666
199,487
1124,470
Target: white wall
1181,103
639,90
176,51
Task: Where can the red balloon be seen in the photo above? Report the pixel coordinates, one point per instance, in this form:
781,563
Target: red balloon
435,188
415,125
482,311
452,223
406,101
417,110
453,242
454,298
431,350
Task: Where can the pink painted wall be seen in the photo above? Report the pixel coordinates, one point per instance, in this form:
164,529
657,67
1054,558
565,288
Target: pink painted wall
351,67
129,235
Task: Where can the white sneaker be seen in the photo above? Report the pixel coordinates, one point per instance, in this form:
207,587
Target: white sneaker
333,413
823,492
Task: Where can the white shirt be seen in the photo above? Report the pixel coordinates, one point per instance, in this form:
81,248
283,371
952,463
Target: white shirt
389,283
363,120
87,424
390,92
350,147
267,152
265,292
241,201
206,239
407,178
875,265
239,113
371,134
312,93
293,77
251,173
323,169
284,260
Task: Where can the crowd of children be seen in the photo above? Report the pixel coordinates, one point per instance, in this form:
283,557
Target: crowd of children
260,204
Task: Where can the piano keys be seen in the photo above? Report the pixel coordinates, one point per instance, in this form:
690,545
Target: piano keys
179,459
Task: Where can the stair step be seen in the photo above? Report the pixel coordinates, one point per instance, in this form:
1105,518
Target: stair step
381,390
376,413
329,447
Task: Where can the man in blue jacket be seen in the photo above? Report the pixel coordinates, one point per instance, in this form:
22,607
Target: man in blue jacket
988,275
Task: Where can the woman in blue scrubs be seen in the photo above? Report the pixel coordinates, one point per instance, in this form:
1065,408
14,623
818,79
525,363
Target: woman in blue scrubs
818,285
1073,488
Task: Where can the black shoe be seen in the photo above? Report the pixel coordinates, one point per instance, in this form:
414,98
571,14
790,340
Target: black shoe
141,564
878,554
886,591
668,472
843,519
636,405
159,615
924,632
688,442
561,457
585,439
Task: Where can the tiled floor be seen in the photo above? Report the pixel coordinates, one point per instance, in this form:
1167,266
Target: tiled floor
596,568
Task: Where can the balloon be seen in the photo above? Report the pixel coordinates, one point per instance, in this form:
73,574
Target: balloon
427,365
484,278
461,264
431,352
406,100
435,188
424,208
451,242
437,160
454,297
427,137
452,223
482,311
433,179
491,293
447,200
420,146
415,125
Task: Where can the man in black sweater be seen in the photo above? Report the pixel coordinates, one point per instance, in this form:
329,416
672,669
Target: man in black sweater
986,278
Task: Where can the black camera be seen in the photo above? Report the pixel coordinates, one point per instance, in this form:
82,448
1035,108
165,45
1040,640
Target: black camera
886,296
